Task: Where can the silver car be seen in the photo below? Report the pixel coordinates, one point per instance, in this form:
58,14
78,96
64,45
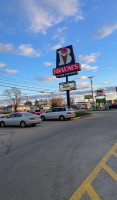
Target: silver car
2,115
22,119
60,113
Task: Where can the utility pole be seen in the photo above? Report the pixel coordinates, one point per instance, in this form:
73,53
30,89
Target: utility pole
26,97
90,77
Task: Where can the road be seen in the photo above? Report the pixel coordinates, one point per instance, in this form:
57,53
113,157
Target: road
60,160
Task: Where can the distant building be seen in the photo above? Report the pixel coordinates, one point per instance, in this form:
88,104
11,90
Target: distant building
83,105
110,101
10,108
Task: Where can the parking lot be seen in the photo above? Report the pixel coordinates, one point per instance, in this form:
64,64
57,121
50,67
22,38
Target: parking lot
60,159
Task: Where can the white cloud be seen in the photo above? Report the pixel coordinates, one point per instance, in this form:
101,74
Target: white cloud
43,14
9,71
27,50
47,78
105,83
89,58
2,64
88,67
58,33
48,64
23,49
78,18
6,48
39,18
104,31
60,29
84,84
59,45
82,77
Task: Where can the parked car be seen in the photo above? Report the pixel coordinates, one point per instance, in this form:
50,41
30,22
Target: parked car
60,113
38,112
2,115
22,119
112,106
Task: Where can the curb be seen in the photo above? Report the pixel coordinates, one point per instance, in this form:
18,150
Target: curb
83,116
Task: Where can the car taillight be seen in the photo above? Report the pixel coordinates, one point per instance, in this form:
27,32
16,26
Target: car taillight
32,118
69,113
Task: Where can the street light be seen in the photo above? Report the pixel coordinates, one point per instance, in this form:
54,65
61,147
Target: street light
90,77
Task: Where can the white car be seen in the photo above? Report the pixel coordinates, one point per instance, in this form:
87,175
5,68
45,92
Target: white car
60,113
22,119
2,115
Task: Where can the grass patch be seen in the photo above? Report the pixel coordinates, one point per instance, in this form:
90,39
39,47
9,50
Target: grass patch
80,114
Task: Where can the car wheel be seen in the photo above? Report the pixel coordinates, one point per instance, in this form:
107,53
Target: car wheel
43,118
62,118
23,124
2,124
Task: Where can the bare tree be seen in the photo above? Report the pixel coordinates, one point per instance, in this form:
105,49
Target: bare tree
36,103
58,101
28,103
14,95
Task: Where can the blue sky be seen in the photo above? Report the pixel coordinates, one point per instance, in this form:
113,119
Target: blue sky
32,30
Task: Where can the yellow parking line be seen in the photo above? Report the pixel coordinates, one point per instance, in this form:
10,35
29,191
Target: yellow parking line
86,185
92,193
83,116
115,154
110,172
76,118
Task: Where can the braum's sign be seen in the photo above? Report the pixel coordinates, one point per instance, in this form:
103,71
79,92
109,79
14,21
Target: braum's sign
65,62
66,70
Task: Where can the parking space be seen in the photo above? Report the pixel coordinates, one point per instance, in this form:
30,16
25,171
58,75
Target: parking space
60,155
101,178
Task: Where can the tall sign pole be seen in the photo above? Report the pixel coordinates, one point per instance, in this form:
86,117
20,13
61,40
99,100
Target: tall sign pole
66,66
90,77
68,94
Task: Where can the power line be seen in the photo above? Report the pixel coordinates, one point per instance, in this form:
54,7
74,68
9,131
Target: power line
14,84
24,89
32,82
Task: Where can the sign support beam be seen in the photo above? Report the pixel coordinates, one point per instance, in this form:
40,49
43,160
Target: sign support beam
68,94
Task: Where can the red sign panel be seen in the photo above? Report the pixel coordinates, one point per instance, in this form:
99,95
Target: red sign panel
65,62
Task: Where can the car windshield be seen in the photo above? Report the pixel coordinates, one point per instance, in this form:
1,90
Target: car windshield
50,110
11,116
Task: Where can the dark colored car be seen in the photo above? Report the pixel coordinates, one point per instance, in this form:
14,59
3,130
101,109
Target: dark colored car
113,106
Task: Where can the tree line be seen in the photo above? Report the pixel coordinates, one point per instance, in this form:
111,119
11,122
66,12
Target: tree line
15,97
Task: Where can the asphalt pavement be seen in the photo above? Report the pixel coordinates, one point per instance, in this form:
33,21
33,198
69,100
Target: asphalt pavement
60,160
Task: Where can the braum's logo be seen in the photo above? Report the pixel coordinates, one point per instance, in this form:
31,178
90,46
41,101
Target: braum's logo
64,56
